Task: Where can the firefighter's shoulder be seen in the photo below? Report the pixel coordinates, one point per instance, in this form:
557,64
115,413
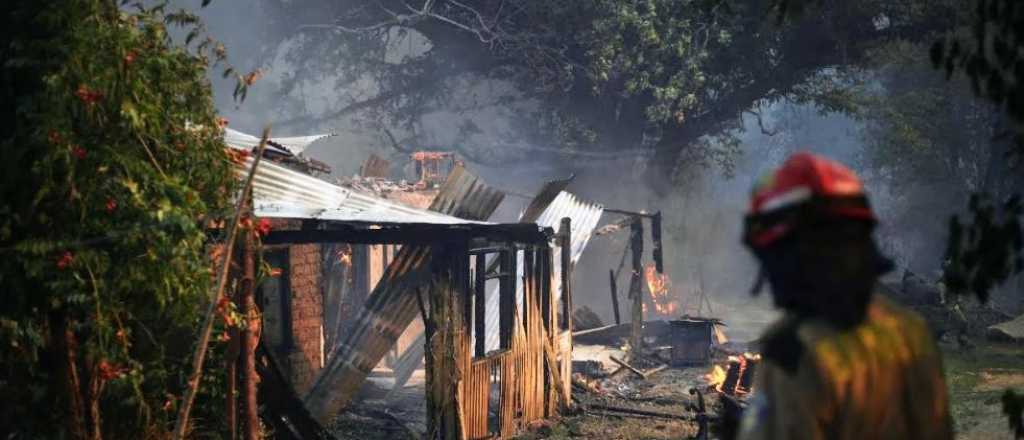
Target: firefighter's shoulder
781,345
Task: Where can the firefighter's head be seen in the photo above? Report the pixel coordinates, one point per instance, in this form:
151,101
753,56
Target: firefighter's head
810,226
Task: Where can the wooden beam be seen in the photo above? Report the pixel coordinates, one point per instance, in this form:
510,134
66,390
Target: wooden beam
623,364
565,230
629,213
635,284
615,296
507,297
414,233
480,303
657,252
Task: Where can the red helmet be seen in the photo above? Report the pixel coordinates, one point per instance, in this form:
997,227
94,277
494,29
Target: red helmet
806,187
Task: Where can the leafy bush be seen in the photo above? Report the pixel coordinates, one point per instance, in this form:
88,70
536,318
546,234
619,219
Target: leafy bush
113,164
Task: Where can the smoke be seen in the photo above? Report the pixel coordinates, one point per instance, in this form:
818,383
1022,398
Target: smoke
484,120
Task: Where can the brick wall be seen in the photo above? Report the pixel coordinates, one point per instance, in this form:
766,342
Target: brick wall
307,314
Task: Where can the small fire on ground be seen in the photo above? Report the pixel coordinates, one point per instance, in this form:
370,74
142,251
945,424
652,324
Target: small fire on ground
736,377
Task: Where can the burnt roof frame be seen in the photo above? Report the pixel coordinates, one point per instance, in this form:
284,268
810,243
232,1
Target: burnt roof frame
477,234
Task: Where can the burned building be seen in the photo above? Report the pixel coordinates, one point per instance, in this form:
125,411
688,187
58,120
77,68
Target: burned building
358,268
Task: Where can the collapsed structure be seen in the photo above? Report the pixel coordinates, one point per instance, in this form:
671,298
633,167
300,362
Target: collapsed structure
321,342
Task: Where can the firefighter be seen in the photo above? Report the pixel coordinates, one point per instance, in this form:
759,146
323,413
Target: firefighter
842,362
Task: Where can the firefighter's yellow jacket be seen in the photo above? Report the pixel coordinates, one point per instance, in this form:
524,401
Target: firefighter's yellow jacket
881,379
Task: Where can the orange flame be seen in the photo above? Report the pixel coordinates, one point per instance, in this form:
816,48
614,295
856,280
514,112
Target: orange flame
659,285
716,377
719,374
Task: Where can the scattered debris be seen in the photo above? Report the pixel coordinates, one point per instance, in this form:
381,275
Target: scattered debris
627,366
632,412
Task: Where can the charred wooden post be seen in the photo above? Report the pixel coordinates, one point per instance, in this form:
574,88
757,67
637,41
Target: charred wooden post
615,296
732,376
447,350
657,253
636,239
507,296
747,376
562,380
480,304
249,340
566,263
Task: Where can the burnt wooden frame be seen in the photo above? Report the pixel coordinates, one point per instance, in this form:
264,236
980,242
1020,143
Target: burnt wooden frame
464,297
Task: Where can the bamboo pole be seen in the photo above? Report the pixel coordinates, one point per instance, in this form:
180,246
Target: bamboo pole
199,355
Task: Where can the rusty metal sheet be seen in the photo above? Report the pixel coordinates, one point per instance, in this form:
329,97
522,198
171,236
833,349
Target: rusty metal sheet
392,305
279,192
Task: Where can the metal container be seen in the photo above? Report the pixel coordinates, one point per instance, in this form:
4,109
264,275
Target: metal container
691,340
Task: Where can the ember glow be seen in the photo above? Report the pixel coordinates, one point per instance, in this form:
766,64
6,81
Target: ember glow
659,286
345,256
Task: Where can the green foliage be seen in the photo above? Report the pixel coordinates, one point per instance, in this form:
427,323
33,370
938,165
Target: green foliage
599,75
989,54
986,250
113,163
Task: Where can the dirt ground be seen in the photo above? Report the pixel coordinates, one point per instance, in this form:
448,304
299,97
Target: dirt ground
976,377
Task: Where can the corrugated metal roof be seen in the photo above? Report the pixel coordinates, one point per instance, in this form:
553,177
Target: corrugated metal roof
290,145
279,192
584,215
392,305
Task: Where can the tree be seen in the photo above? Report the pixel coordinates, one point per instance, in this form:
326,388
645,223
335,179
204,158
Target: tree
930,142
660,78
114,165
987,249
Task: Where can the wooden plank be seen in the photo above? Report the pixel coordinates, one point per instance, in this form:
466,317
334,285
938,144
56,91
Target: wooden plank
623,364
